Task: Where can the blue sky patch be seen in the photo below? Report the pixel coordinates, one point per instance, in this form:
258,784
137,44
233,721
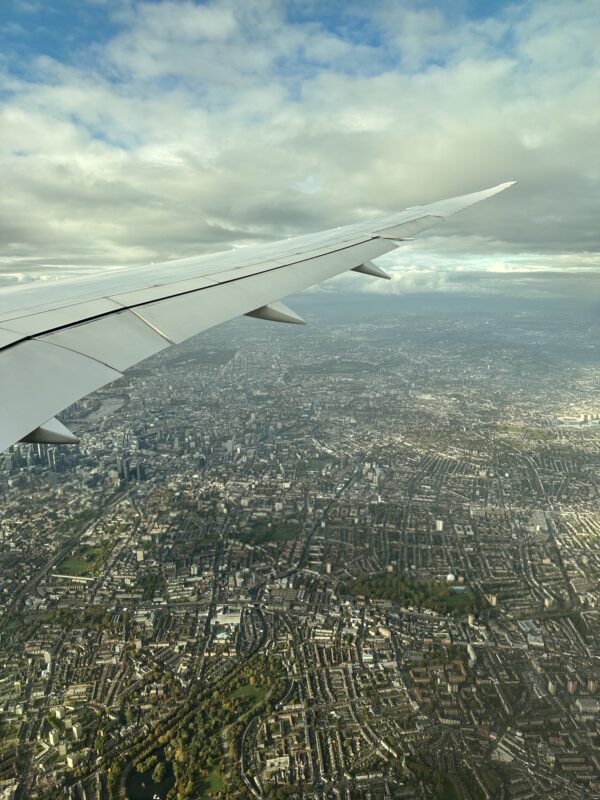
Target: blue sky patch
61,29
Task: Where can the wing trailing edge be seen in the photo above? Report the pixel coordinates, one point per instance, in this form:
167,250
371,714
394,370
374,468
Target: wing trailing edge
61,341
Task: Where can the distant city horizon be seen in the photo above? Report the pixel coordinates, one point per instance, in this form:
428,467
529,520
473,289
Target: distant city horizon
355,555
247,558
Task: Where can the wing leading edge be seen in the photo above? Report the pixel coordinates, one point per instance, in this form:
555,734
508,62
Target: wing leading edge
59,342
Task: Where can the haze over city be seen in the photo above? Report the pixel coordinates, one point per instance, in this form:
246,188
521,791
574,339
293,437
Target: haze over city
350,560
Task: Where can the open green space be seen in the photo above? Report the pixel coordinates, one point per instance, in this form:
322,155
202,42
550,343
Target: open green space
317,464
199,746
213,782
262,533
75,566
406,591
85,562
253,693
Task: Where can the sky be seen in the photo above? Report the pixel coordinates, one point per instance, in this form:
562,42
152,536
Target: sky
138,131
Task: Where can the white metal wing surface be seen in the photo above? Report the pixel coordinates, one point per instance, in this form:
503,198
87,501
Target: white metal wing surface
61,341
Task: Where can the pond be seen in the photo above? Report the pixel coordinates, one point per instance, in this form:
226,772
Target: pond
140,786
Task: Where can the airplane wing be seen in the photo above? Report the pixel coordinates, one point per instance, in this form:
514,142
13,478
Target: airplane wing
61,341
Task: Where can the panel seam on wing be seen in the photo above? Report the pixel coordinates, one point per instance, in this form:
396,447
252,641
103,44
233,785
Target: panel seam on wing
44,340
119,310
151,325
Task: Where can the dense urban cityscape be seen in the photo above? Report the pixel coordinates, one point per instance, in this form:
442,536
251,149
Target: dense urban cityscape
352,560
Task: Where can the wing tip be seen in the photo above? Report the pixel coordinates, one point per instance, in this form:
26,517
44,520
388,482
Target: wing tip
502,186
462,202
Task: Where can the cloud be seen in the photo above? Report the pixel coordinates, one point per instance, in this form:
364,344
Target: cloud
186,127
527,284
414,270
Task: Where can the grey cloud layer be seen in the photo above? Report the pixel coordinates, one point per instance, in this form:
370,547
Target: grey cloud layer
195,128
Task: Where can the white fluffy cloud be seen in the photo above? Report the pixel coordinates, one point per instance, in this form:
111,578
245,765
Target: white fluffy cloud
191,127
